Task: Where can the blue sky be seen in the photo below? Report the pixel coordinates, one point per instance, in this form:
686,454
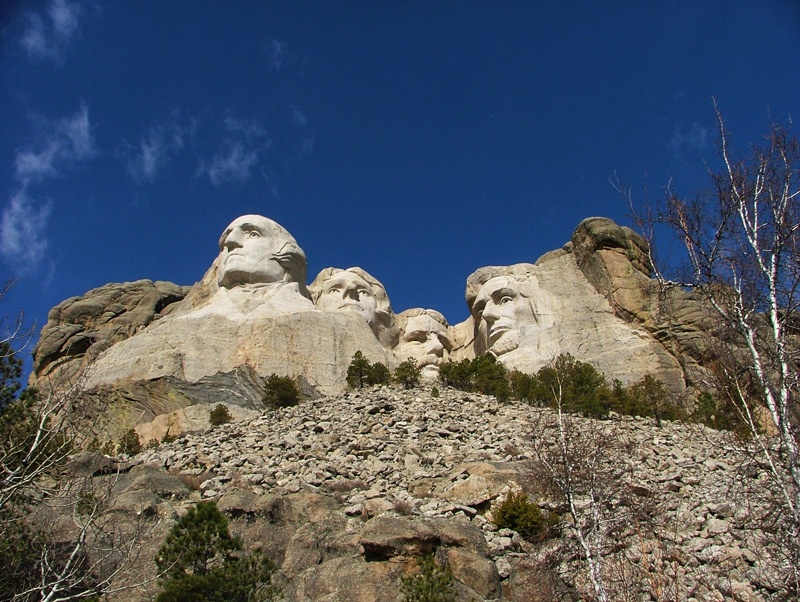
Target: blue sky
418,140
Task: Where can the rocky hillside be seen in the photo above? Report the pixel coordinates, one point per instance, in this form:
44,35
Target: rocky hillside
344,492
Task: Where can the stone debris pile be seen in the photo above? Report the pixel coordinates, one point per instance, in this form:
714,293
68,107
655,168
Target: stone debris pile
369,479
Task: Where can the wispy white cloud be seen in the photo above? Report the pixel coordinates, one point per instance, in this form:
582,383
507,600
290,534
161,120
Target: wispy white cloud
298,116
238,152
61,143
250,130
307,146
156,149
278,53
23,227
48,37
232,164
37,164
78,132
695,138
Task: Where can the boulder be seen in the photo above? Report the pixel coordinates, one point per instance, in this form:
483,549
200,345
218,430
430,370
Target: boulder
80,328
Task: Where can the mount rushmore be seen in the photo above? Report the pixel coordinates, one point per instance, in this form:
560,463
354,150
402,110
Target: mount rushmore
140,349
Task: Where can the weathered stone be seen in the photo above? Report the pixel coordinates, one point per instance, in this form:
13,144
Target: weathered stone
80,328
322,551
385,537
475,571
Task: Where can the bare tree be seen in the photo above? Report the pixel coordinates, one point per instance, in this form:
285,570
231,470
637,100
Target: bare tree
573,460
742,239
60,536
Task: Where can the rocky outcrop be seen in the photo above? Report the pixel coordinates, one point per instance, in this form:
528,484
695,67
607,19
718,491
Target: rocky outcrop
616,261
79,329
313,346
345,492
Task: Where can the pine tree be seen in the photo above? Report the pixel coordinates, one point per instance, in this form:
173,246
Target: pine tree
196,542
358,371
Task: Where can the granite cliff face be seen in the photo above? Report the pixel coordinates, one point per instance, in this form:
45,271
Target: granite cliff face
139,349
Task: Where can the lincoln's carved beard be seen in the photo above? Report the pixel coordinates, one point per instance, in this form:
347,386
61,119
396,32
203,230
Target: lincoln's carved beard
508,342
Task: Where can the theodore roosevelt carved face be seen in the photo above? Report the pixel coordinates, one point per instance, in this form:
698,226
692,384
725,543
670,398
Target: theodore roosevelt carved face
425,338
256,250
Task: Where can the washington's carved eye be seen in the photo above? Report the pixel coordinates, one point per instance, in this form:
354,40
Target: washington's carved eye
253,234
505,300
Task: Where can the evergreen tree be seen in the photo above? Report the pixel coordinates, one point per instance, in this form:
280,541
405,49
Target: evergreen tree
10,374
358,371
130,443
407,373
378,374
198,562
280,392
196,542
219,415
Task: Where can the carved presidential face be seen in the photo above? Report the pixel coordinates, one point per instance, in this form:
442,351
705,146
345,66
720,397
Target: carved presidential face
248,253
347,291
426,340
504,313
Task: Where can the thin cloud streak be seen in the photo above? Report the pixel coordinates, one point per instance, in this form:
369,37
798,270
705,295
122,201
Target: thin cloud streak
23,226
156,149
696,139
65,141
238,152
231,165
49,40
23,240
278,53
298,116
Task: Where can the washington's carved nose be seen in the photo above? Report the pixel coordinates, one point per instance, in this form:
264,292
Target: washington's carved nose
232,241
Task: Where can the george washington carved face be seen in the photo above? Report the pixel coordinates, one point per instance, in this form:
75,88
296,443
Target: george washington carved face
256,250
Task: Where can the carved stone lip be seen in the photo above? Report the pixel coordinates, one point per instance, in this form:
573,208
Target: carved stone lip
498,329
348,305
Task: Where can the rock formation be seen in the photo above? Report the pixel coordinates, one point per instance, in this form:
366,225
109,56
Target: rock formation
79,329
252,311
528,314
345,490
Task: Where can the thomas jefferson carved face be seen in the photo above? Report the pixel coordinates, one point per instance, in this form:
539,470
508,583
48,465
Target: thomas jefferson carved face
504,312
256,250
425,339
347,291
